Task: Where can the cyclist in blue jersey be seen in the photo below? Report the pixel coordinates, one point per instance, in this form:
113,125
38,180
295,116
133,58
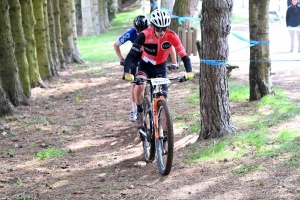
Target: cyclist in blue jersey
140,23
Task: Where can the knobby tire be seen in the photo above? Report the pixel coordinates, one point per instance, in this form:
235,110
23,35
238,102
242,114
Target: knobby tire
165,124
149,142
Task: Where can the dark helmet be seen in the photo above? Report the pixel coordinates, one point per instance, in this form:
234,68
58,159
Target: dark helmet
140,23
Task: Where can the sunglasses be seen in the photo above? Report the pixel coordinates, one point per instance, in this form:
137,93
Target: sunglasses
160,29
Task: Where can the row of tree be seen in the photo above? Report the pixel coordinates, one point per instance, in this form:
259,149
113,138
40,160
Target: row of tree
34,46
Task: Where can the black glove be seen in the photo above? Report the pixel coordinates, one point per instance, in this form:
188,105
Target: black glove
122,62
172,67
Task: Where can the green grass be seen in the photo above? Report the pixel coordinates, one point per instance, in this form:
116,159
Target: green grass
100,48
48,153
256,139
235,19
238,92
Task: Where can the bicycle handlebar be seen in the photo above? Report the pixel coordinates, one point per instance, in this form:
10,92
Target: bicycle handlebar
142,80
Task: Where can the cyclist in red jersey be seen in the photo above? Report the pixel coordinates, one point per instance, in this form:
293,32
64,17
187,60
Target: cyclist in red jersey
155,43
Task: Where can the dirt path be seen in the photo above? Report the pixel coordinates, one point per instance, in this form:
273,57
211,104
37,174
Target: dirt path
86,113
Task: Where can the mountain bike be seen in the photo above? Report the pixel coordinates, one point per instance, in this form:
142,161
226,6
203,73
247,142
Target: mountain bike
157,134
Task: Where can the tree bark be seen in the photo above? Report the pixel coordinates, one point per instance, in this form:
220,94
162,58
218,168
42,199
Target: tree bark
87,18
167,4
47,38
6,107
259,72
153,5
28,22
76,53
183,8
66,31
56,13
112,9
179,9
214,100
20,42
40,37
52,34
95,16
9,68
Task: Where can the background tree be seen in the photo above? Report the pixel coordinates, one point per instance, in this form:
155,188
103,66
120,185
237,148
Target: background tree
20,42
74,32
87,17
167,4
95,16
47,39
153,5
112,6
9,69
179,9
259,72
214,100
52,35
69,50
40,38
56,13
28,22
103,16
6,107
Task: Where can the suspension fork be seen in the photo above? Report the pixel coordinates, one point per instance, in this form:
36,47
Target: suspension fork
155,114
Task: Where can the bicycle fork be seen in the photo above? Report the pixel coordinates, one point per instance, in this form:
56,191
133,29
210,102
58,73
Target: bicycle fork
155,114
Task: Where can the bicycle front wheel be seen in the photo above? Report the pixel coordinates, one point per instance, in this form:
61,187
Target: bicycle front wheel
148,142
165,144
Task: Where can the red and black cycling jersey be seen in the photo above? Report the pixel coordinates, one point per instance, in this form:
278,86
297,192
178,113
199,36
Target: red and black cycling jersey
155,50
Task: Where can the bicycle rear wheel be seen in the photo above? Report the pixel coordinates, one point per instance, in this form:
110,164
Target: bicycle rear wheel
165,145
148,142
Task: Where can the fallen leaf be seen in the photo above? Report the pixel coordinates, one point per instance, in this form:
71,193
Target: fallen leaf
261,184
78,192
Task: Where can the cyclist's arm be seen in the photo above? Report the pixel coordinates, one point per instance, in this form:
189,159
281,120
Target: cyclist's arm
134,51
118,51
173,55
122,40
182,53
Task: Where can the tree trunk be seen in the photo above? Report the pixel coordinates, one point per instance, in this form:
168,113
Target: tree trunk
47,38
167,4
182,8
95,16
153,5
106,17
259,72
103,16
179,9
19,39
76,53
52,34
66,31
6,107
87,18
28,26
56,13
40,37
112,9
190,12
214,100
9,68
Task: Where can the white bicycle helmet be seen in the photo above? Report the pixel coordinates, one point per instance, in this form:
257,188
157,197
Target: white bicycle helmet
160,18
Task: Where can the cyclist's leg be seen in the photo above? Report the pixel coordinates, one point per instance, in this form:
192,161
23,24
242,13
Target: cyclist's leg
138,94
133,113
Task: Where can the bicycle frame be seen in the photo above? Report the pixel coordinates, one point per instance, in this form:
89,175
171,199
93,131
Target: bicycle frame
156,96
